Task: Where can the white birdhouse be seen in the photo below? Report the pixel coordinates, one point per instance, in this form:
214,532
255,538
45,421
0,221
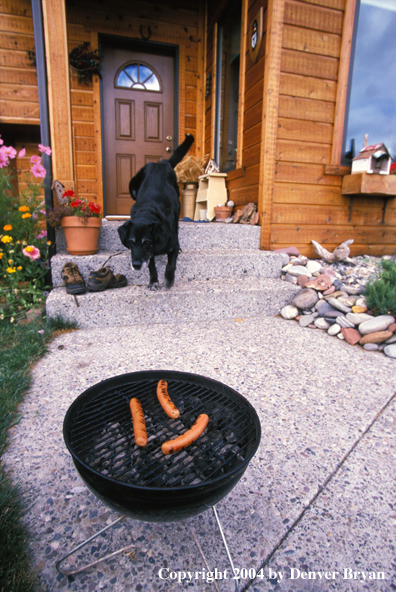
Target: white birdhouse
372,159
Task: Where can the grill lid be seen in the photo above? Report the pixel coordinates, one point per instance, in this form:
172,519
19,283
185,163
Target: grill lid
98,431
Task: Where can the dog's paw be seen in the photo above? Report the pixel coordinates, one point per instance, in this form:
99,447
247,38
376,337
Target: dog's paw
156,286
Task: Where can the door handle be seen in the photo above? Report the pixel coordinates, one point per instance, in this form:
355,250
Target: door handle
168,149
169,138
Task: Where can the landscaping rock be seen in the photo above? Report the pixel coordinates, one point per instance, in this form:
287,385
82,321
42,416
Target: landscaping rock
321,283
335,303
289,312
390,350
305,299
352,336
380,323
299,270
377,337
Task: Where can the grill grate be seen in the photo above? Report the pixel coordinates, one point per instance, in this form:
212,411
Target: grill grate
101,435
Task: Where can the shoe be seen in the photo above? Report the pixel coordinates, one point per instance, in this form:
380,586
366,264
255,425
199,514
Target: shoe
104,278
73,279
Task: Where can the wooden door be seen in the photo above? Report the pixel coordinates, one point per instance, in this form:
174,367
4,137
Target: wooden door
138,118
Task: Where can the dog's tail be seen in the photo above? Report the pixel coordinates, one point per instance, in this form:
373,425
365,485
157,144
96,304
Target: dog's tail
181,150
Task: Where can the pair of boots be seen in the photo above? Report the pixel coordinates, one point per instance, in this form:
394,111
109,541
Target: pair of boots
98,280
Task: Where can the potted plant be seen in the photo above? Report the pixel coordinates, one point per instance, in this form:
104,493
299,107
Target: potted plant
81,223
188,172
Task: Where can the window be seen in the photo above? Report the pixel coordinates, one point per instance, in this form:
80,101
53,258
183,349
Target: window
138,76
372,108
227,88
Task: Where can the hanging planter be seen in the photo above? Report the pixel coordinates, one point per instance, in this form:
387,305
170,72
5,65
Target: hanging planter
82,236
86,62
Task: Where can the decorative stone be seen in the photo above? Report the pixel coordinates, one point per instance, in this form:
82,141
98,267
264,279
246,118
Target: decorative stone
306,320
329,291
289,312
334,314
300,260
323,308
335,303
299,270
321,323
352,336
288,251
334,329
306,298
343,322
302,280
340,336
353,289
321,283
348,301
358,319
392,327
359,309
391,339
390,350
291,278
313,266
377,337
380,323
370,347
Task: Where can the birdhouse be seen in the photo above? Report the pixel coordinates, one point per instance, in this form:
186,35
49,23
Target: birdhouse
372,159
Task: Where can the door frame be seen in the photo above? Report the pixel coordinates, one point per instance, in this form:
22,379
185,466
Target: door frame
120,42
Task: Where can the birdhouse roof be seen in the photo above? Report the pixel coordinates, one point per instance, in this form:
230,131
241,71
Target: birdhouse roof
376,150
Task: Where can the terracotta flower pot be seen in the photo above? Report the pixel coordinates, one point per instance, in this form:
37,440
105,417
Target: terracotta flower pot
81,235
222,213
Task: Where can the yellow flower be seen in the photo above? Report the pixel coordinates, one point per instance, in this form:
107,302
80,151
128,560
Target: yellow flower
10,261
6,239
19,267
23,209
49,243
7,227
1,255
29,249
11,269
26,215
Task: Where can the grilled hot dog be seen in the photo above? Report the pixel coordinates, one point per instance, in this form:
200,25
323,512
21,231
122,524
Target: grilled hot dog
188,437
165,401
139,423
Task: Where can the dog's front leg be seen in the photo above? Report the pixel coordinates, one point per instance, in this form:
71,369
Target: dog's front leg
171,268
153,285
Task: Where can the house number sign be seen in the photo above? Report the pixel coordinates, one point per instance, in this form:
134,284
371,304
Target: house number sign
256,35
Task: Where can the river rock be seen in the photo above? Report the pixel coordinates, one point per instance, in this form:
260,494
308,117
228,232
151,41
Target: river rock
291,278
313,266
321,283
359,308
343,322
353,289
392,327
352,336
331,290
377,337
358,318
288,251
390,350
323,307
302,281
306,320
289,312
380,323
370,347
299,270
335,303
334,329
305,299
321,323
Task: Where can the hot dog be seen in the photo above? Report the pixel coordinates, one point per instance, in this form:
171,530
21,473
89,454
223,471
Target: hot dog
165,401
188,437
139,424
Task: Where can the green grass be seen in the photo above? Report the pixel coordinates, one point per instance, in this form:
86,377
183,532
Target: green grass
21,346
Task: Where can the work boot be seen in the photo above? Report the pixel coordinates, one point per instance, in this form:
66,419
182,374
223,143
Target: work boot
73,279
104,278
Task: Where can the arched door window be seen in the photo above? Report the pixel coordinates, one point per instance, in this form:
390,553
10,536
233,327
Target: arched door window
138,76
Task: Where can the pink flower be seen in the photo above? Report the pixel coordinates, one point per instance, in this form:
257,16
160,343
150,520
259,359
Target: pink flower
3,158
41,234
32,252
9,151
46,149
22,153
35,159
38,170
1,141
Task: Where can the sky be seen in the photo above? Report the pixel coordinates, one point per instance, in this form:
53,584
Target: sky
372,108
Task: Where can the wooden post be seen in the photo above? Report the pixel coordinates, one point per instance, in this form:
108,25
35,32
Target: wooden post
343,80
269,125
57,57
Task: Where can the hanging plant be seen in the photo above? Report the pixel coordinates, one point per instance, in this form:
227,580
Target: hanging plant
86,61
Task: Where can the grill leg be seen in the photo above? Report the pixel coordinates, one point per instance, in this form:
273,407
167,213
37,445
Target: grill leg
226,546
67,572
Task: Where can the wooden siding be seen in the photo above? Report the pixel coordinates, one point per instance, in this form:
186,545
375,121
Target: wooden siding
18,80
307,202
174,25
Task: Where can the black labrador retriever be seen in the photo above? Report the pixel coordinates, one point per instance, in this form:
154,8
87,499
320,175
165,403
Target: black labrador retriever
154,224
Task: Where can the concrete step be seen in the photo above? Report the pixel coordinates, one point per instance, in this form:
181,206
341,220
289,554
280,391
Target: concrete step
187,301
192,265
192,236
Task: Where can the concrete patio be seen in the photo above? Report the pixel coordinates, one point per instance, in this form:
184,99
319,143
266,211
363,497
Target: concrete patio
316,505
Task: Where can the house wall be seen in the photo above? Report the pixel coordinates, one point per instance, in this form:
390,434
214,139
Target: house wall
18,80
307,201
181,25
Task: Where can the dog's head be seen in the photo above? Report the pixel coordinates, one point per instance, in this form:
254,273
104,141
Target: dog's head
139,238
